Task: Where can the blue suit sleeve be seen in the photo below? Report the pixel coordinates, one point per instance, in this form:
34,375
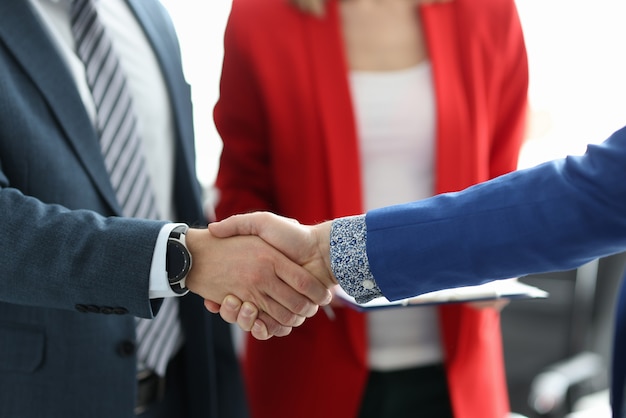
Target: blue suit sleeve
555,216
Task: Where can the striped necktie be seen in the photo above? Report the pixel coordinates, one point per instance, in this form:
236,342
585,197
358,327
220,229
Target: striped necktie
159,338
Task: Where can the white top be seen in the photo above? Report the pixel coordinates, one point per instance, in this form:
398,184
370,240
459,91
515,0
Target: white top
151,102
395,117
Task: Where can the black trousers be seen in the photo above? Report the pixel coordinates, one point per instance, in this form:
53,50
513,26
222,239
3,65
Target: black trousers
420,392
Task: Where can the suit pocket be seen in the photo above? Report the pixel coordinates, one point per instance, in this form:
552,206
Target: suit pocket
21,347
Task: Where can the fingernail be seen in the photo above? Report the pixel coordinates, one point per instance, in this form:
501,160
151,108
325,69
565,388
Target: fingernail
231,302
258,331
247,310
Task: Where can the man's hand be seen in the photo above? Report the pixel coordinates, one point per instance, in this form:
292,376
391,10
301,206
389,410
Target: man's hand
308,246
247,316
253,271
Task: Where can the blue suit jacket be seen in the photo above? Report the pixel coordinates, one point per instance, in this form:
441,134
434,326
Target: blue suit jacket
61,254
556,216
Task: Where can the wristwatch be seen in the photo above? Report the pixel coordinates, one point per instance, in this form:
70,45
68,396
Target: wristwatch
177,260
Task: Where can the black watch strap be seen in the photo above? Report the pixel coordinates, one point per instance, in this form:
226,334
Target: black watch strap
177,260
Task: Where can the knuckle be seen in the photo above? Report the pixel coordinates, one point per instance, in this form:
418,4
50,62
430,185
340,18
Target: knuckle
303,307
287,319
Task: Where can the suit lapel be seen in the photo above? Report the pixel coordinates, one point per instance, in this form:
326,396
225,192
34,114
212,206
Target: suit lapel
24,36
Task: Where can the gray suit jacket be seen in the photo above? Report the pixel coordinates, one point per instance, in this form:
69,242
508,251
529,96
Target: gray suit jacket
72,276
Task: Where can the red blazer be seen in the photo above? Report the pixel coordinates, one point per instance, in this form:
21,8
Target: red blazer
290,146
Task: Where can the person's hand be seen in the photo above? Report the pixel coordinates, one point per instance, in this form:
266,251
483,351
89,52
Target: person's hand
307,245
253,271
247,316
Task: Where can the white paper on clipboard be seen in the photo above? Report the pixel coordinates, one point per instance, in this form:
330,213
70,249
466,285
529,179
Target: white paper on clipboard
498,289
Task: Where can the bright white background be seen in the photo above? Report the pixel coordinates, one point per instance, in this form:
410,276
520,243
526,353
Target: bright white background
200,26
577,62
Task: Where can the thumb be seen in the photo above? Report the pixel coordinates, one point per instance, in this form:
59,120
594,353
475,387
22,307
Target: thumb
233,225
285,234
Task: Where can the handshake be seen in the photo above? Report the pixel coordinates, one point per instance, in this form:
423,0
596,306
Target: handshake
262,271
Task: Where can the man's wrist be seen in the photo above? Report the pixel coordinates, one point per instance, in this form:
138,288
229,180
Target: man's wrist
178,260
159,284
321,233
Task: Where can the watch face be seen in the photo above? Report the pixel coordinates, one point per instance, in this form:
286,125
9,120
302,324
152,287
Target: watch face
177,261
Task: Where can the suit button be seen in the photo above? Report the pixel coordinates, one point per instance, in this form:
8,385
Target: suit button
93,308
126,348
81,308
106,310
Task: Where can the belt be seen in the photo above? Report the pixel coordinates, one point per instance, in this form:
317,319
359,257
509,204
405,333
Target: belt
150,390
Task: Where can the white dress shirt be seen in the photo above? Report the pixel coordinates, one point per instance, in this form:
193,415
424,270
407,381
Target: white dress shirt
150,99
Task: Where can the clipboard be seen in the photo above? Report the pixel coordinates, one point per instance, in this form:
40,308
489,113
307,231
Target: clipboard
510,289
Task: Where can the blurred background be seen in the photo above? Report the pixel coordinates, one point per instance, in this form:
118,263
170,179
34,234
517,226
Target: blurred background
576,58
556,350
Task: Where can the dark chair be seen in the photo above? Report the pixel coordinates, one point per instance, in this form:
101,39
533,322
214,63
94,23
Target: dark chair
558,350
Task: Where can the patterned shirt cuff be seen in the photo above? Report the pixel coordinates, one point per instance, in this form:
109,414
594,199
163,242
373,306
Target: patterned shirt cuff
348,258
